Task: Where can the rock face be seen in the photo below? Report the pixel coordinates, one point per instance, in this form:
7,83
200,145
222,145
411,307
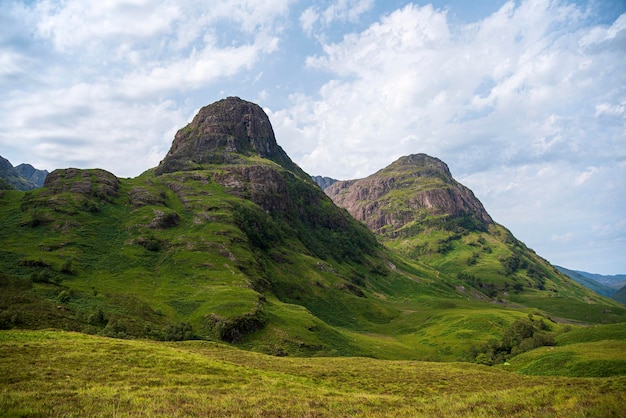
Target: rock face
94,183
412,188
223,133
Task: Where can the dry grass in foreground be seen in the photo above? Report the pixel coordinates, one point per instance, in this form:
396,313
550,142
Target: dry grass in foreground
51,373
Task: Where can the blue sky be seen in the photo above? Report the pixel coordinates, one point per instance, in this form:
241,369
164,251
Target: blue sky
524,100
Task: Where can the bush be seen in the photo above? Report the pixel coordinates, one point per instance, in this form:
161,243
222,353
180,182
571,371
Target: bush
179,332
97,317
64,296
116,328
523,335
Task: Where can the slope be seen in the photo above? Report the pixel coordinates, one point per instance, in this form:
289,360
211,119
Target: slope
45,373
417,208
587,282
227,239
12,177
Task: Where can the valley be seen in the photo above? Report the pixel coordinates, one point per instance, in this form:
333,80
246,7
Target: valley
225,280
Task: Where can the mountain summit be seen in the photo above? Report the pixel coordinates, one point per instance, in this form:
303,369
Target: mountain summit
221,133
414,188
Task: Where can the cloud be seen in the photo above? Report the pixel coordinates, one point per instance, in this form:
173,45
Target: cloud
319,18
96,84
525,105
516,86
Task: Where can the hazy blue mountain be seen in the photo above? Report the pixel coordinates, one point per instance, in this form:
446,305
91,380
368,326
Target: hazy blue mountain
589,283
615,281
32,174
324,182
12,177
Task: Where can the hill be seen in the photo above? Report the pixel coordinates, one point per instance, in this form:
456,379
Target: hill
229,240
324,182
620,295
417,208
615,281
592,284
33,175
11,177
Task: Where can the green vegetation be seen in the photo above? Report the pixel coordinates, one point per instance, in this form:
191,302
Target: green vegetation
596,351
60,374
253,256
523,335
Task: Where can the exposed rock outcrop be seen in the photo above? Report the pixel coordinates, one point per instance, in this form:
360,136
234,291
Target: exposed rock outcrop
93,182
223,133
410,189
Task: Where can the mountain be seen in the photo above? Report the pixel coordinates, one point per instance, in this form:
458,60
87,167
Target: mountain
620,295
33,175
412,191
417,208
614,281
584,280
13,178
228,239
324,182
226,132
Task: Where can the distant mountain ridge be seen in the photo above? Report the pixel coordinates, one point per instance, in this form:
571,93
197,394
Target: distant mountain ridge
615,281
613,286
584,280
324,182
30,173
22,177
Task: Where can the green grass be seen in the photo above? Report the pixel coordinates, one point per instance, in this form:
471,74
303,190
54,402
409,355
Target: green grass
594,359
305,280
589,351
51,373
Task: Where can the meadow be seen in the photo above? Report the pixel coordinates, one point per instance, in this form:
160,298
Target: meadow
58,373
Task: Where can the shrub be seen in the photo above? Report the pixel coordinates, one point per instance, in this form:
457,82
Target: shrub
523,335
179,332
97,317
64,296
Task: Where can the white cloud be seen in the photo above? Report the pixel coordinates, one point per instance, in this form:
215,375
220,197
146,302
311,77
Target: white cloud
585,175
102,91
308,18
525,106
319,18
515,86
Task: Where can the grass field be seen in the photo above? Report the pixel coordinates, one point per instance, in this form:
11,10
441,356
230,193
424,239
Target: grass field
54,373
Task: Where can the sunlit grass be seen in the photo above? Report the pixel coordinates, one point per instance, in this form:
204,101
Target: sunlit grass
48,373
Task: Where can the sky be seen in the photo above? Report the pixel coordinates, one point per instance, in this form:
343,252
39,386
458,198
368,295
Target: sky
524,100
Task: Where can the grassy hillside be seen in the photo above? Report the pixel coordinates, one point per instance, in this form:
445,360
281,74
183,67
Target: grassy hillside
216,254
60,374
587,282
597,351
417,209
181,256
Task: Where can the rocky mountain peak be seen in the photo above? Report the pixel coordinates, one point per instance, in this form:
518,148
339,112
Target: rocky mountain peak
422,164
410,189
221,133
